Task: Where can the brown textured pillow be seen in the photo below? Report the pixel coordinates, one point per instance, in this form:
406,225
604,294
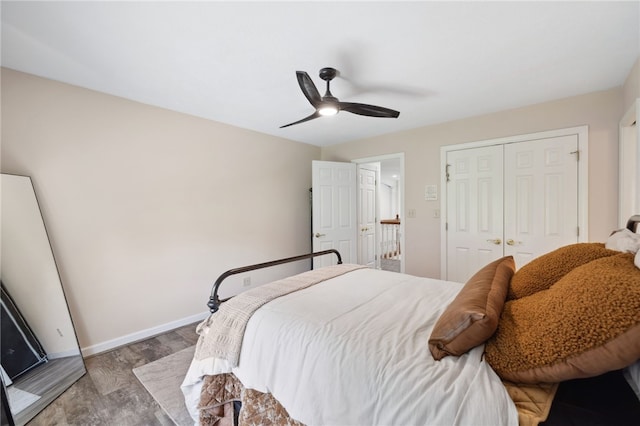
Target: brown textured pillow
472,317
586,324
542,272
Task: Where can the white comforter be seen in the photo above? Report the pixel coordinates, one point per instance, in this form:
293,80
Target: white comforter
353,351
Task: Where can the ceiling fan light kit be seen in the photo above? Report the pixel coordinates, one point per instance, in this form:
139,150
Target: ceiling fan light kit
327,109
328,104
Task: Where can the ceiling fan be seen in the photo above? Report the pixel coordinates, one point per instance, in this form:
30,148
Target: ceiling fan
329,104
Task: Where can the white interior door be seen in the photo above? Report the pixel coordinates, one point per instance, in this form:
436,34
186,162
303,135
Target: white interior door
541,196
334,224
474,210
367,187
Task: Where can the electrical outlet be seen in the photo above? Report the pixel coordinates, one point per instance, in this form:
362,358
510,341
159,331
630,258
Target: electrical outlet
411,213
246,282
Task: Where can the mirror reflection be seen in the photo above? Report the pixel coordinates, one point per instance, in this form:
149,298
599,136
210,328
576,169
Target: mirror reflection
40,355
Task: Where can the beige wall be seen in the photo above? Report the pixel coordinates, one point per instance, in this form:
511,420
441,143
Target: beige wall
601,111
146,207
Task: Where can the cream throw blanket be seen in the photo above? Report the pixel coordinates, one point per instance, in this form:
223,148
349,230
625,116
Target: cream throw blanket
221,334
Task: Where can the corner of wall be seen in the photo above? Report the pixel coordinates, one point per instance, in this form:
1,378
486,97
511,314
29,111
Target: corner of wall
631,87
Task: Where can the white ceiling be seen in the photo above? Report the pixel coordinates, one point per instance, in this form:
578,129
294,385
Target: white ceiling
235,62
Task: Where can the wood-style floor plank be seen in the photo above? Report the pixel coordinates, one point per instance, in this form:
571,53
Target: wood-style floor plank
188,334
110,394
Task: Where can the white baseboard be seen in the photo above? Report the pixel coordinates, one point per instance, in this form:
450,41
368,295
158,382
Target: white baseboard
141,335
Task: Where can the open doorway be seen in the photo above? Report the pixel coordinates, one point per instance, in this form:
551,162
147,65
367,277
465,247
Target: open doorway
389,223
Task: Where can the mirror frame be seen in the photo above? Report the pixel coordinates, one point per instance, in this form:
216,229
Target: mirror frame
78,369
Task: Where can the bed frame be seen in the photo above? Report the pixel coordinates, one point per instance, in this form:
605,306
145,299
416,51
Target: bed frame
578,401
215,301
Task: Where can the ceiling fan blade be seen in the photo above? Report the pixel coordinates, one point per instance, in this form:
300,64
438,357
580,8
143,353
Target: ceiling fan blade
368,110
308,88
311,117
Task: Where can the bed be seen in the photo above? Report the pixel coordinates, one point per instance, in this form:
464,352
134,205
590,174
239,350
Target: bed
352,345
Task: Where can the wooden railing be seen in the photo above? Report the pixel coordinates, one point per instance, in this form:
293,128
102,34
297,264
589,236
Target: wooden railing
390,238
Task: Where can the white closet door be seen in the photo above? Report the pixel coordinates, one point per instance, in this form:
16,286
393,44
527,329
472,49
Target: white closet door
474,210
541,196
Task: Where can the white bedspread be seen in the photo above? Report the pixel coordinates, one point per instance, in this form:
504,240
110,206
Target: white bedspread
353,351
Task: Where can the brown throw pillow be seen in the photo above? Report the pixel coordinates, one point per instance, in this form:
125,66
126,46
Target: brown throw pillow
544,271
586,324
472,317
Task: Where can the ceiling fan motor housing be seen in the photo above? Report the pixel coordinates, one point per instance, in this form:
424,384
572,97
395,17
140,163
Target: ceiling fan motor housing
328,74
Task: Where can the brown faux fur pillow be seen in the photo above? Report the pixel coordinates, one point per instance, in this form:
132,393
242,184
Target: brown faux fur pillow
586,324
542,272
472,317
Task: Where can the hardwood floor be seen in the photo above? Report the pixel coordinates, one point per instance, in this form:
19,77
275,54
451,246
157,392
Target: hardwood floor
110,394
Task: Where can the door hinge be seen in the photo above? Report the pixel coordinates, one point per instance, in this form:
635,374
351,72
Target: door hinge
446,226
577,153
578,231
446,172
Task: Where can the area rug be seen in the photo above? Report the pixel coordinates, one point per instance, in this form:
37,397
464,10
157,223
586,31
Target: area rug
20,399
162,379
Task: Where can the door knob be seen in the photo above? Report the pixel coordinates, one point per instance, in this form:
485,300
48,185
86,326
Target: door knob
364,229
318,235
511,242
497,241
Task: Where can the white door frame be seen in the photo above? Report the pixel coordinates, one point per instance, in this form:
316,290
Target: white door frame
628,167
379,158
582,133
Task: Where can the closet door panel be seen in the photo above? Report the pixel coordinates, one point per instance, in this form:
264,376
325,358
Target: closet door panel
474,210
541,190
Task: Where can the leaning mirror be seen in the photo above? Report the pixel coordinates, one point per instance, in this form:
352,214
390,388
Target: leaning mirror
40,354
